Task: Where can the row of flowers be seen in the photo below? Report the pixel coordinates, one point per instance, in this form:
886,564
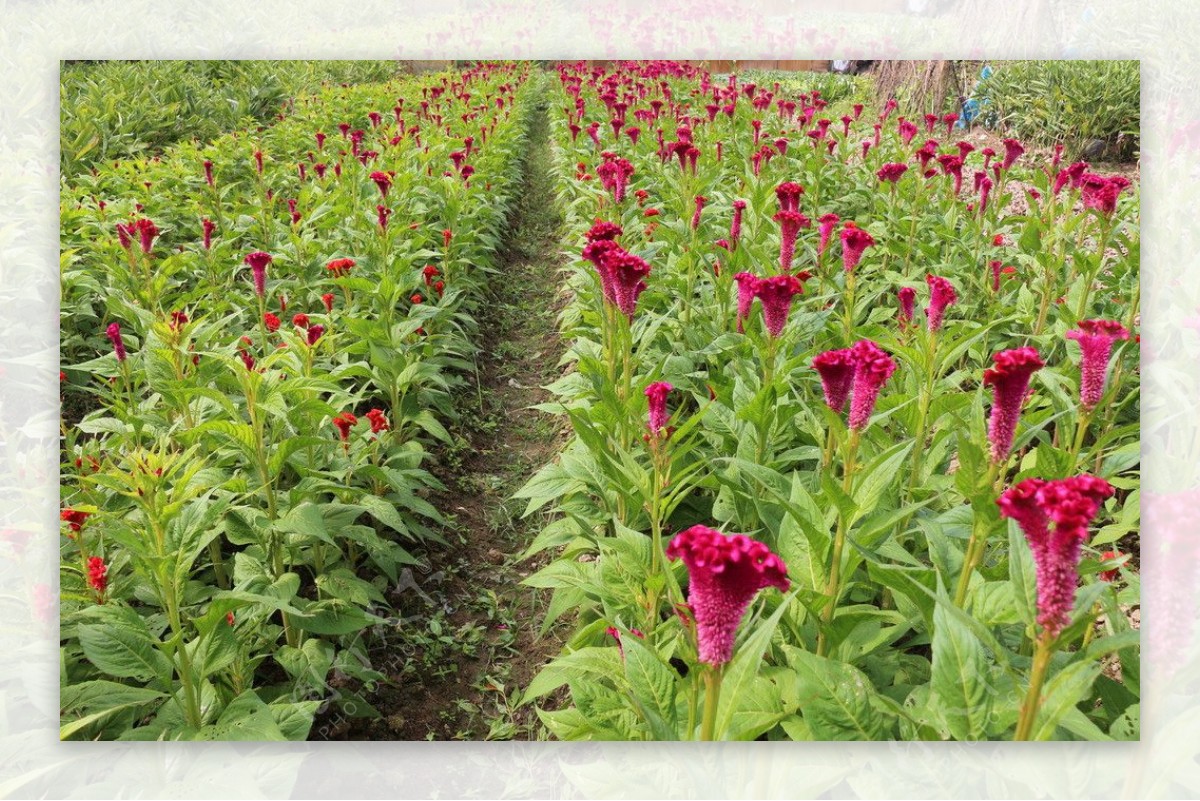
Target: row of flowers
758,442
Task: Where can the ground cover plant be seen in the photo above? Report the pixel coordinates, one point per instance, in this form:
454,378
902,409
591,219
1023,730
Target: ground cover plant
260,335
855,424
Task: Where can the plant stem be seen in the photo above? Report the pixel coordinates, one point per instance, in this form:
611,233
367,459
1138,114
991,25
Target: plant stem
833,584
1033,700
976,545
712,695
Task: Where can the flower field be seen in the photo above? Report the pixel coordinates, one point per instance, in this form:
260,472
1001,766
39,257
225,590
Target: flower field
851,408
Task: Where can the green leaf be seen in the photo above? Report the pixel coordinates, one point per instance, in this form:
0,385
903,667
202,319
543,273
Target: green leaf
1068,687
1022,574
653,686
246,718
740,673
122,646
836,699
959,677
99,700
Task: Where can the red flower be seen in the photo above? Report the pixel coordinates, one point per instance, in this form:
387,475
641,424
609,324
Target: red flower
854,241
725,573
327,299
74,517
271,322
836,368
258,261
97,576
300,320
891,172
1012,151
381,216
314,333
379,421
828,223
209,226
1110,575
941,295
735,228
788,194
1009,379
907,296
872,368
1095,338
776,295
344,422
1070,504
340,267
656,395
447,235
790,222
417,299
113,332
747,284
147,231
383,181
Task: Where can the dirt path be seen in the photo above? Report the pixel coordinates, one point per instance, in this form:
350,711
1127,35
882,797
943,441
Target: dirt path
469,643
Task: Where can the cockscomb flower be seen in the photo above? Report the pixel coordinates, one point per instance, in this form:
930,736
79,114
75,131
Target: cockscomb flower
656,395
747,285
383,181
258,261
836,368
790,222
949,119
1095,338
379,421
1069,504
907,296
147,231
1100,193
788,193
735,228
627,273
340,267
344,422
208,173
1009,379
827,223
382,213
941,295
300,320
1013,150
700,201
314,333
872,368
209,226
125,234
271,322
854,241
891,172
74,518
97,575
724,574
907,131
776,295
327,299
113,332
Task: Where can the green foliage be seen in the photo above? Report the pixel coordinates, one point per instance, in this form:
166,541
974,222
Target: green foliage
1072,102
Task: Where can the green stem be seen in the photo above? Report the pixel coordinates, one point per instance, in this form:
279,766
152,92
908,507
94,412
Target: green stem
833,584
712,696
1033,699
976,545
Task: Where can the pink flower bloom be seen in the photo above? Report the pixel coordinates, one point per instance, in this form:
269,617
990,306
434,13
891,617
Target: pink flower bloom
1099,193
872,368
314,333
930,121
747,290
735,229
208,172
209,226
1070,504
382,213
790,222
776,295
258,261
854,241
1012,151
949,119
996,267
828,223
1095,338
627,273
1009,379
724,574
891,172
836,368
113,332
941,295
907,296
383,181
656,394
907,131
952,165
700,201
147,231
789,194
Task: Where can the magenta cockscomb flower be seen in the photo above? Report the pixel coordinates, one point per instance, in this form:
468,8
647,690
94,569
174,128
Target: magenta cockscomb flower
209,226
1100,193
258,261
656,395
747,285
1071,174
725,572
789,194
907,296
208,173
776,295
1069,504
147,231
854,241
996,266
872,368
836,368
113,332
1013,150
827,223
892,172
627,273
1095,338
1009,379
383,181
790,222
941,295
735,228
907,131
700,200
